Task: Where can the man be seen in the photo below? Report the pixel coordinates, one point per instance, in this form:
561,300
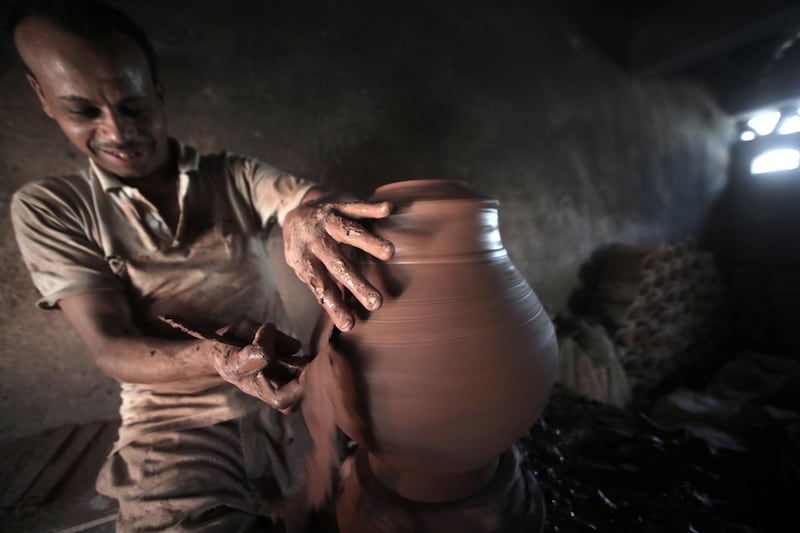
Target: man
155,241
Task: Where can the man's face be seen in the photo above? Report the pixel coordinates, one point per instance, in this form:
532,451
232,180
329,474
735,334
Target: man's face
101,95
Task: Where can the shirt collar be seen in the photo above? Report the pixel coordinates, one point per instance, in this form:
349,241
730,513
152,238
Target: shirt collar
188,161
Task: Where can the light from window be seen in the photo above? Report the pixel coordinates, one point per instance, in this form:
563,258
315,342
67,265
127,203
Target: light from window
790,125
765,122
775,161
747,135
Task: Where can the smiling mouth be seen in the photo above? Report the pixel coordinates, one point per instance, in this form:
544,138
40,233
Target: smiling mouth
124,155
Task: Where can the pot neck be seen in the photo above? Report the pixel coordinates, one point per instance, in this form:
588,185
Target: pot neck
439,221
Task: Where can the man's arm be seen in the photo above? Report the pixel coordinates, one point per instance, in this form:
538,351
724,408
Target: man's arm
104,322
313,232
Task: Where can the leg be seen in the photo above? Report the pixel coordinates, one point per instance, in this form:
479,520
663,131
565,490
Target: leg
215,478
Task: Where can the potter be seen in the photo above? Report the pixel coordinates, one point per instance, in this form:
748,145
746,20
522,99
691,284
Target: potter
151,233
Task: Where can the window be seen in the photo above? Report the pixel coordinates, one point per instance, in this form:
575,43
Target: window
775,134
775,161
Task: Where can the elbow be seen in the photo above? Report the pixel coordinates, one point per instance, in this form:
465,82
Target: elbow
106,358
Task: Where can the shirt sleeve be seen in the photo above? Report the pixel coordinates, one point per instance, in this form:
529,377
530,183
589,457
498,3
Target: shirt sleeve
51,228
273,193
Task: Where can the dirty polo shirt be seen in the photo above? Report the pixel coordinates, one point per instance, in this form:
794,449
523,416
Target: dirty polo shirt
92,233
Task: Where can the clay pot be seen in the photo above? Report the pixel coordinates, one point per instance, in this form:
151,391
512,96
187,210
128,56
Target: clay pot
460,360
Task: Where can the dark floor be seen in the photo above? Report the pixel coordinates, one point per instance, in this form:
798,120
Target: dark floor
719,458
722,459
48,480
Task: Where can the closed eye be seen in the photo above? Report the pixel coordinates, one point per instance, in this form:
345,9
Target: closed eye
84,112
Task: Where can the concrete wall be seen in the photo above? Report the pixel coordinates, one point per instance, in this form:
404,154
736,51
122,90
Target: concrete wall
509,99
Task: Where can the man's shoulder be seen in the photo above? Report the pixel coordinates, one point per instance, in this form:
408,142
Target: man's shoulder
222,159
242,169
54,192
68,184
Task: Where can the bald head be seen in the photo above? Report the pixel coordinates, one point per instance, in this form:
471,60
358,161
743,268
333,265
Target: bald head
92,20
55,55
101,92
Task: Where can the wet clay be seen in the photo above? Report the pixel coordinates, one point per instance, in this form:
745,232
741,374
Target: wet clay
511,502
454,367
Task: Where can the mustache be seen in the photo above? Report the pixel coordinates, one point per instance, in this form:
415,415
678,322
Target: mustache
127,147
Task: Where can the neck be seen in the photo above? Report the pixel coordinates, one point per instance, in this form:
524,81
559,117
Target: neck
164,173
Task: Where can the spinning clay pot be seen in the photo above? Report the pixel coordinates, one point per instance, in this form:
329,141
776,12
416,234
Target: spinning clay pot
459,361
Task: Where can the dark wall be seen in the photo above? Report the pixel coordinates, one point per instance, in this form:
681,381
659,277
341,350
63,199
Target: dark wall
761,212
508,98
755,232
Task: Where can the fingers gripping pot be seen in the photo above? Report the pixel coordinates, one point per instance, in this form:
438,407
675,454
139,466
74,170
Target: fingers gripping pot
459,361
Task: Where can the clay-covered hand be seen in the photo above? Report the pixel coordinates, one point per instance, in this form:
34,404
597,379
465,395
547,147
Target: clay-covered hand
265,368
313,234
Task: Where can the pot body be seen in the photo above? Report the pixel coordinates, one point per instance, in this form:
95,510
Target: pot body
459,361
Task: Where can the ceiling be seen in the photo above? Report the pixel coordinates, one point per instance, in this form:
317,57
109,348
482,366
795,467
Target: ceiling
746,52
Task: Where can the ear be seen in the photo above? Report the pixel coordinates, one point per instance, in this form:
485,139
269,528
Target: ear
34,83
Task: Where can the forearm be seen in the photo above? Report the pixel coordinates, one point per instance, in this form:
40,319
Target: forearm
154,360
104,322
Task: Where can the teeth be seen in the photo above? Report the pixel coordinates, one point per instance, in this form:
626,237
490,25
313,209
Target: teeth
126,155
